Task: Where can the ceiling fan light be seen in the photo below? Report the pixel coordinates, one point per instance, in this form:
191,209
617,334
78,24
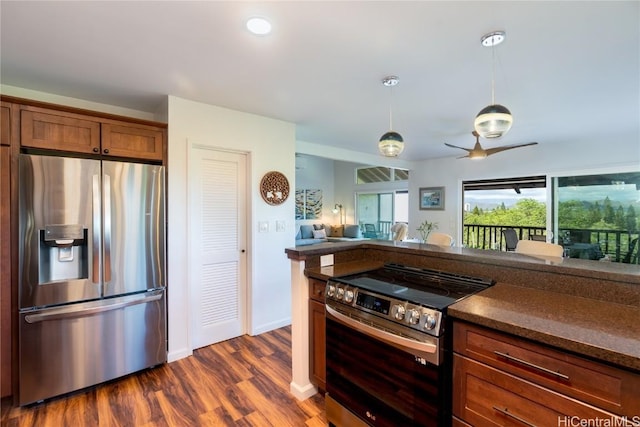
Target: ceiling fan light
477,156
493,121
391,144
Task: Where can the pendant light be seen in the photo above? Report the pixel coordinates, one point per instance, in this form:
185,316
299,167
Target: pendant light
391,143
494,120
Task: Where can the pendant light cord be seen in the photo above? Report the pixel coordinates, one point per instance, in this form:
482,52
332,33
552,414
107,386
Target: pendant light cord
493,74
390,107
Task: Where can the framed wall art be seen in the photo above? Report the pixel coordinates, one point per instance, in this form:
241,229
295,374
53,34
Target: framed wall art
274,188
308,204
432,198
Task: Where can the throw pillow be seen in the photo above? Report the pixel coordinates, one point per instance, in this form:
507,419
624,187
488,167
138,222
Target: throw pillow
352,231
319,234
306,231
318,226
327,228
336,230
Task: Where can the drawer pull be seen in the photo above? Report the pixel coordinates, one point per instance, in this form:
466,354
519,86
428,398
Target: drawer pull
506,412
531,365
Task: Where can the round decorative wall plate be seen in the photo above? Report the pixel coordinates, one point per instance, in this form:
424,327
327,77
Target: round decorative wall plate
274,188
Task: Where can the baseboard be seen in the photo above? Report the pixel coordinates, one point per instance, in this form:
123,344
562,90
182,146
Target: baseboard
302,392
177,355
270,326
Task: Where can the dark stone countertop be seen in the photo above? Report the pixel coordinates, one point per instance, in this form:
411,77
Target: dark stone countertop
601,330
628,273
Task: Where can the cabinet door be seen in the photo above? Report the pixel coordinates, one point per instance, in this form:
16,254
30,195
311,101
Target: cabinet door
132,141
317,343
5,125
57,132
5,272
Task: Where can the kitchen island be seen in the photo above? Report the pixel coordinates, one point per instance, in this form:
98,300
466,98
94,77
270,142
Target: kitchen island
585,308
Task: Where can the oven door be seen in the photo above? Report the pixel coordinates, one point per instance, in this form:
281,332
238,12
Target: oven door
371,376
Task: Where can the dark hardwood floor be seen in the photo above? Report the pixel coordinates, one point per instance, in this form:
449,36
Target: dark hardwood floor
240,382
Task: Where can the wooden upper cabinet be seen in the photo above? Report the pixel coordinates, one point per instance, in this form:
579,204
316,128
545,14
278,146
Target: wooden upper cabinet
59,132
75,132
132,141
5,125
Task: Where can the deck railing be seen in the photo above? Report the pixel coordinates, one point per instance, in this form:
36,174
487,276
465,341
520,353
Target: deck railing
615,245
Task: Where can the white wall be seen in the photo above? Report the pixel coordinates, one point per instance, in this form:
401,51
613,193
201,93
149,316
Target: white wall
548,158
317,173
270,145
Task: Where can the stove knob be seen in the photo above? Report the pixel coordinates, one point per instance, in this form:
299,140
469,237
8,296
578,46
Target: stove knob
331,291
414,316
430,322
398,311
340,293
348,296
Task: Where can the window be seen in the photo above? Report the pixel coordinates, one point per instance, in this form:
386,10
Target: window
597,216
490,206
380,174
381,210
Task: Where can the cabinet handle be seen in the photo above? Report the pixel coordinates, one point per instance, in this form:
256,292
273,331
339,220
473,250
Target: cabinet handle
506,412
96,149
106,151
531,365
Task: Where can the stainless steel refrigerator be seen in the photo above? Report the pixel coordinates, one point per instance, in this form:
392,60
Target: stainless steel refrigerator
92,303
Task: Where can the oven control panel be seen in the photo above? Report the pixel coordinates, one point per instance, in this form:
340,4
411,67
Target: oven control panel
401,312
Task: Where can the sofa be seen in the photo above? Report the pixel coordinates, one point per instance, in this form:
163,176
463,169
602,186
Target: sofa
311,234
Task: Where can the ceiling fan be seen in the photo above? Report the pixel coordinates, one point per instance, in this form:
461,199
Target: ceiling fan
477,152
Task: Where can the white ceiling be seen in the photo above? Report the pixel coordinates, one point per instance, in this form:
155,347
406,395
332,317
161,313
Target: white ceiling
567,70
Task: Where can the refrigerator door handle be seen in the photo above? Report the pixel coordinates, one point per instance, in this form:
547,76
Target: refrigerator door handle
64,313
107,228
95,261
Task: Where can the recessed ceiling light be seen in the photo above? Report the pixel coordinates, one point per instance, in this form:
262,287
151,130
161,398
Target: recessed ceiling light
259,26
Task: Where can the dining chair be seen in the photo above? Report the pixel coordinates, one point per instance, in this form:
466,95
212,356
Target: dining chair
441,239
534,247
510,239
399,230
632,247
370,231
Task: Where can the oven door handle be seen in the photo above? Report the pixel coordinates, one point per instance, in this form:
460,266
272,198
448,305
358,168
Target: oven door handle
427,350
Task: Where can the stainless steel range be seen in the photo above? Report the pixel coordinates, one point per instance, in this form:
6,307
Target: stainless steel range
389,346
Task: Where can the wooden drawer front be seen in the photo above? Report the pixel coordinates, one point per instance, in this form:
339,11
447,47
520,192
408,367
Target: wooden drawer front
612,389
133,142
457,422
53,132
485,396
316,290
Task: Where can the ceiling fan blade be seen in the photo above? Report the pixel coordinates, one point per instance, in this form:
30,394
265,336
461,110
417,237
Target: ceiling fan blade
491,151
455,146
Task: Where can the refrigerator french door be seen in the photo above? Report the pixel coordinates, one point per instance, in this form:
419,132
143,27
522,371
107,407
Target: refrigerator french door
92,303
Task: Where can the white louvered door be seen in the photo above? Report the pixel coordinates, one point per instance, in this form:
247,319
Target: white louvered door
217,270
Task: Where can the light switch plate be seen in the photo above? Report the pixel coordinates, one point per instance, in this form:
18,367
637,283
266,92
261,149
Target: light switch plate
263,226
280,226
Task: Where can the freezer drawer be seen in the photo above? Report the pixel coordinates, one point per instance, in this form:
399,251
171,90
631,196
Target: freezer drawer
79,345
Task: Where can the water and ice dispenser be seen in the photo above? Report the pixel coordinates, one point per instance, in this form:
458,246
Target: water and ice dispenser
64,254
